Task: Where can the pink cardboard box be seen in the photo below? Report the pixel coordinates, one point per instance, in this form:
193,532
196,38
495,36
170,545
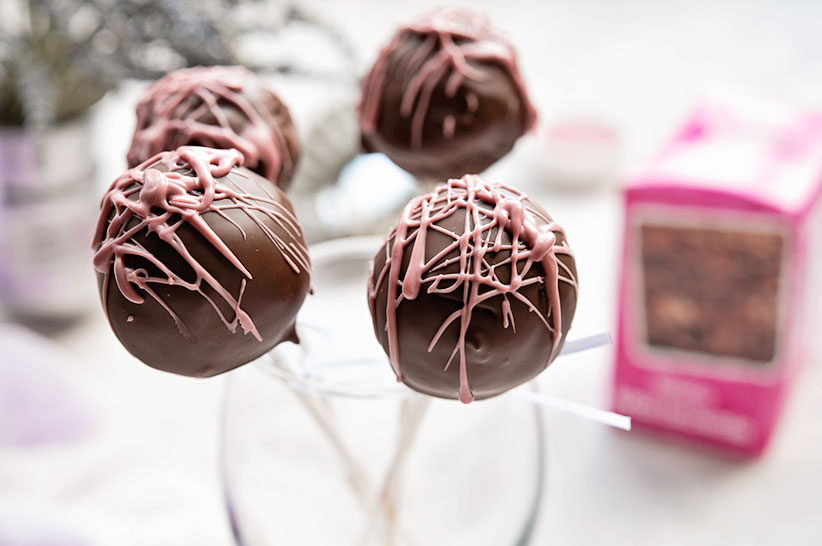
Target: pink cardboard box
722,240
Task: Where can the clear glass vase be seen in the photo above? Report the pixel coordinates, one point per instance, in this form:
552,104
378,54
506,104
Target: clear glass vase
321,446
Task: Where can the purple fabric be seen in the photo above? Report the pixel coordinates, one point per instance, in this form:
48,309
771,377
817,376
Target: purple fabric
26,528
38,402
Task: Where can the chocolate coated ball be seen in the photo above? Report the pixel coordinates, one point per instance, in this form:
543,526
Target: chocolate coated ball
473,291
445,97
218,107
201,263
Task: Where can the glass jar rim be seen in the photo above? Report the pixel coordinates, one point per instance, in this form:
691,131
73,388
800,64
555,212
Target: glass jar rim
290,363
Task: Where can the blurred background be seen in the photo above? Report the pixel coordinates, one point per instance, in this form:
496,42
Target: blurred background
96,448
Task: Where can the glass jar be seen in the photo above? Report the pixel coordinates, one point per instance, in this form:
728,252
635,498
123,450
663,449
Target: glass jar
47,212
321,445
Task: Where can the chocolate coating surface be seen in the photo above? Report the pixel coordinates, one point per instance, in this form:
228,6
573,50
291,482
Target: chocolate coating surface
473,291
219,107
445,97
201,264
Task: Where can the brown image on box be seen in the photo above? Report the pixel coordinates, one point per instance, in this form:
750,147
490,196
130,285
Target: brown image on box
711,291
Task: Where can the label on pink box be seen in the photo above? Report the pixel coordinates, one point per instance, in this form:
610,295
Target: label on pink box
716,287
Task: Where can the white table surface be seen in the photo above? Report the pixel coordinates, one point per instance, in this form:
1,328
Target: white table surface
148,477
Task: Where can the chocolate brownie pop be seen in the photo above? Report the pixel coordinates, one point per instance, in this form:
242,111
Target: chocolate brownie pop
201,263
445,97
473,291
219,107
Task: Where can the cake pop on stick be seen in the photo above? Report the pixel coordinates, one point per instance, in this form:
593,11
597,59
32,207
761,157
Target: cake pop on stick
445,96
473,291
202,265
220,107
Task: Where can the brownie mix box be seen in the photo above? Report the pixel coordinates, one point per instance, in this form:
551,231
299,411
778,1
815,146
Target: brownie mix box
718,303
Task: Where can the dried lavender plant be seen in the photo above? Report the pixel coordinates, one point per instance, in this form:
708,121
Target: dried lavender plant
62,56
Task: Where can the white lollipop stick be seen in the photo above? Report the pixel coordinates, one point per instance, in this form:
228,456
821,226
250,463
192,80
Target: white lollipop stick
585,343
571,346
581,410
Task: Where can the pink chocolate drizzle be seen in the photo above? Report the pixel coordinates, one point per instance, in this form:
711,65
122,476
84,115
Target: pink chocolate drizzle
167,118
147,199
442,29
489,209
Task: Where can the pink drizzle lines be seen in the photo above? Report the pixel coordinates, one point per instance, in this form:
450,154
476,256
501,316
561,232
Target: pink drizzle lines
534,240
167,118
442,29
130,207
